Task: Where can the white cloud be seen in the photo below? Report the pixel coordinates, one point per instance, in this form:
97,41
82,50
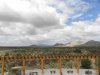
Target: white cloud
85,30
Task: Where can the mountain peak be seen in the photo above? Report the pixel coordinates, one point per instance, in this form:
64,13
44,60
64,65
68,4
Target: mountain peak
91,43
69,44
58,45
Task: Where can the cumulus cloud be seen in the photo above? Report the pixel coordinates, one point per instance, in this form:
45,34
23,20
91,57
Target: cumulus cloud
22,16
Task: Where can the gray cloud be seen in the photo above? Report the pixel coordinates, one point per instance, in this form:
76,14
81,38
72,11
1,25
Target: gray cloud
45,20
9,15
15,23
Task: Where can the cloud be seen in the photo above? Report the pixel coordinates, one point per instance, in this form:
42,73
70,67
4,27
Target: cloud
45,20
7,14
24,17
85,30
24,22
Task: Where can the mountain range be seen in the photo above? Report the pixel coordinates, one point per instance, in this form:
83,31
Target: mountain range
69,44
72,44
78,43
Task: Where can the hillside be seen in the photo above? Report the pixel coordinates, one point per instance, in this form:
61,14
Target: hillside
69,44
78,43
91,43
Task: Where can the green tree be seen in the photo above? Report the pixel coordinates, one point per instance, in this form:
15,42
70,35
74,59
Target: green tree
77,50
53,64
86,64
97,63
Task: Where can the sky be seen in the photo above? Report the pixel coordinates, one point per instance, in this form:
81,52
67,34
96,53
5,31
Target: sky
26,22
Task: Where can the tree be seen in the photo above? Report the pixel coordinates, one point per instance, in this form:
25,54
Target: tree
53,64
97,62
67,64
77,50
86,64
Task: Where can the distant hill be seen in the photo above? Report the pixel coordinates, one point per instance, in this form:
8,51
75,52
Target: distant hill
58,45
91,43
70,44
74,43
78,44
33,45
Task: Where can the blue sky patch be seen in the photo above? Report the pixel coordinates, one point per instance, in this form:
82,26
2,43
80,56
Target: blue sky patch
90,15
